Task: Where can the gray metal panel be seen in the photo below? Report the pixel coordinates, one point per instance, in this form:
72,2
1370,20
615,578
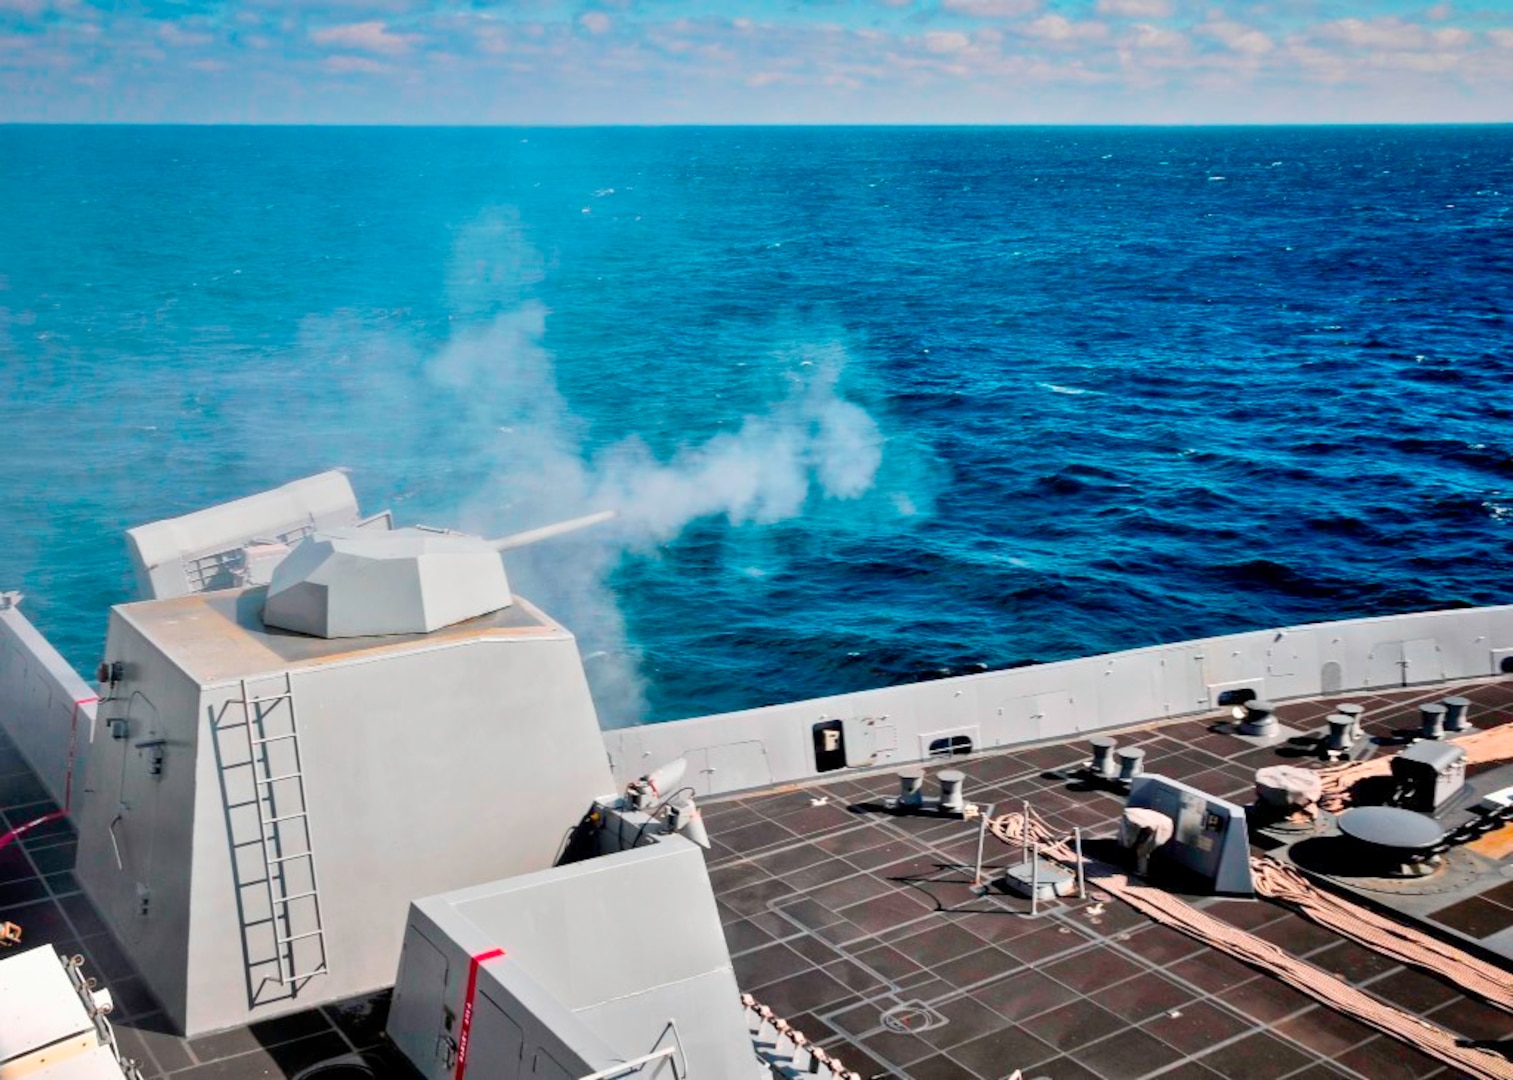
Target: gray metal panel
356,583
1184,686
421,758
1102,691
567,926
496,1048
219,637
135,829
1210,836
571,964
44,706
507,1004
161,550
416,1022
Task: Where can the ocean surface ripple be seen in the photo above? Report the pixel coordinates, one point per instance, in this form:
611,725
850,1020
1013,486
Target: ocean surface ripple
1120,400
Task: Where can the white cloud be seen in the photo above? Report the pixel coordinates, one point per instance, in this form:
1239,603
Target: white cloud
946,41
1060,28
1501,38
1391,33
33,8
1238,37
595,22
175,35
1146,36
1137,9
372,37
991,9
344,65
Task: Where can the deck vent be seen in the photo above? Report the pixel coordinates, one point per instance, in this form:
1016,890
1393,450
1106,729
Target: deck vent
347,1067
951,745
1232,698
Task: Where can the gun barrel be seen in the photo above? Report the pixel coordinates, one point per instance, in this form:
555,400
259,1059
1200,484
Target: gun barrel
547,532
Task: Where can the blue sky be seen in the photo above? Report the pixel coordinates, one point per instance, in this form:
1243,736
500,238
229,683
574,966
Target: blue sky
755,61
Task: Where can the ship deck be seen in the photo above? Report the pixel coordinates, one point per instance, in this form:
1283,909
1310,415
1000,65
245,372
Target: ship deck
836,914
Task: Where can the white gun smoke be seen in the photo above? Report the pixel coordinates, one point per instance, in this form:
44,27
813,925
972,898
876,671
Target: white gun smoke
509,424
813,442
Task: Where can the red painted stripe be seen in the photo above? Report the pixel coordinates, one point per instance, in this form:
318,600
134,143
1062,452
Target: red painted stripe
465,1029
6,839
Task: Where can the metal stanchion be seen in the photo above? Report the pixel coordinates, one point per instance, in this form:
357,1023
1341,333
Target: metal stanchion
982,836
1035,880
1081,876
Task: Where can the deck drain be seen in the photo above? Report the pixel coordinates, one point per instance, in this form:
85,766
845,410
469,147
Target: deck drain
347,1067
912,1017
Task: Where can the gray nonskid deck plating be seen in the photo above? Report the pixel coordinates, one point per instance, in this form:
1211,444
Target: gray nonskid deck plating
837,918
463,794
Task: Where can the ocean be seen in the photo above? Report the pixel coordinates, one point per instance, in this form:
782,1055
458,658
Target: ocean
876,404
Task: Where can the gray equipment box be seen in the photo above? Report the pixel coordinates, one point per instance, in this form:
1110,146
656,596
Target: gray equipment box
1428,775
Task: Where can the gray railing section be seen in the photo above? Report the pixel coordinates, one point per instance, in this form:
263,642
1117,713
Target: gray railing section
774,744
44,706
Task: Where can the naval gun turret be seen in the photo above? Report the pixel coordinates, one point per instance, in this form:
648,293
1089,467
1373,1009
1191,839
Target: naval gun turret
386,707
351,582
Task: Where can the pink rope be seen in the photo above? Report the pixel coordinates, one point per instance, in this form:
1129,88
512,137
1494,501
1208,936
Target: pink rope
1334,993
1481,747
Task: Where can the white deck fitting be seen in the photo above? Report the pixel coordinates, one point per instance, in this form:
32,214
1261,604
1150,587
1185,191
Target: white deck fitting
45,1031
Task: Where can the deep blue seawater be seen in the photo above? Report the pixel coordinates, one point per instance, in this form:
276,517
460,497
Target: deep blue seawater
1134,385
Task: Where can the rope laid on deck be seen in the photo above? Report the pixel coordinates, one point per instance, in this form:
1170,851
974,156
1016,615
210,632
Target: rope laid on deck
1481,747
1406,943
1168,910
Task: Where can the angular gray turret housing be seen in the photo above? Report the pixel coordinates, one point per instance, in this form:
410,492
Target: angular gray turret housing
350,583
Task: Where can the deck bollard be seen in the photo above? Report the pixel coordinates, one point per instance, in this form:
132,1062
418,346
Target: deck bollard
1260,719
1456,709
1341,733
1431,721
1355,712
1103,763
951,798
1131,763
911,786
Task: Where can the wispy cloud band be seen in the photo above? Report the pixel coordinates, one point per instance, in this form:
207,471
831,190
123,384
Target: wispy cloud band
753,61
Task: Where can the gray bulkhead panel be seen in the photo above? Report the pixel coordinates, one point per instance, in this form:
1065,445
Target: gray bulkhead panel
601,953
425,763
45,707
1056,700
135,825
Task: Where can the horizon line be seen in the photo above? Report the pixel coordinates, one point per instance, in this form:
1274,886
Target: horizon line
463,125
